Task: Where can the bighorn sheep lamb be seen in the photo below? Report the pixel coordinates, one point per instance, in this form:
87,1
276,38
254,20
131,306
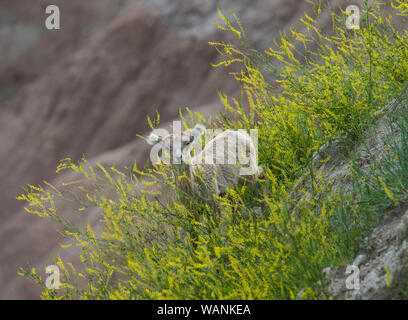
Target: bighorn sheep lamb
227,160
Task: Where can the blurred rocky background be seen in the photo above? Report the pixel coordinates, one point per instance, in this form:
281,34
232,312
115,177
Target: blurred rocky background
87,88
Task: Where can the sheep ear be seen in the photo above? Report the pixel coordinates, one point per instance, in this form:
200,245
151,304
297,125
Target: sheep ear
198,130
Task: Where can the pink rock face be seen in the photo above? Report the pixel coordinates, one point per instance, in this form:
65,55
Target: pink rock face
87,89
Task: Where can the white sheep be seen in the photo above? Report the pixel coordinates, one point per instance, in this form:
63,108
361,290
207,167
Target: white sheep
227,160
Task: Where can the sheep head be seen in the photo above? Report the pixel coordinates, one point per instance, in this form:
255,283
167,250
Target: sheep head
173,148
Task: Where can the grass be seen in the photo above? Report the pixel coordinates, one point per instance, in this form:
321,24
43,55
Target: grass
328,88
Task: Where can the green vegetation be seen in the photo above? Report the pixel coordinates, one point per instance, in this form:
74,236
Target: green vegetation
327,89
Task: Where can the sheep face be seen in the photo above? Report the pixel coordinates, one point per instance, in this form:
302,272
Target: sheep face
172,148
